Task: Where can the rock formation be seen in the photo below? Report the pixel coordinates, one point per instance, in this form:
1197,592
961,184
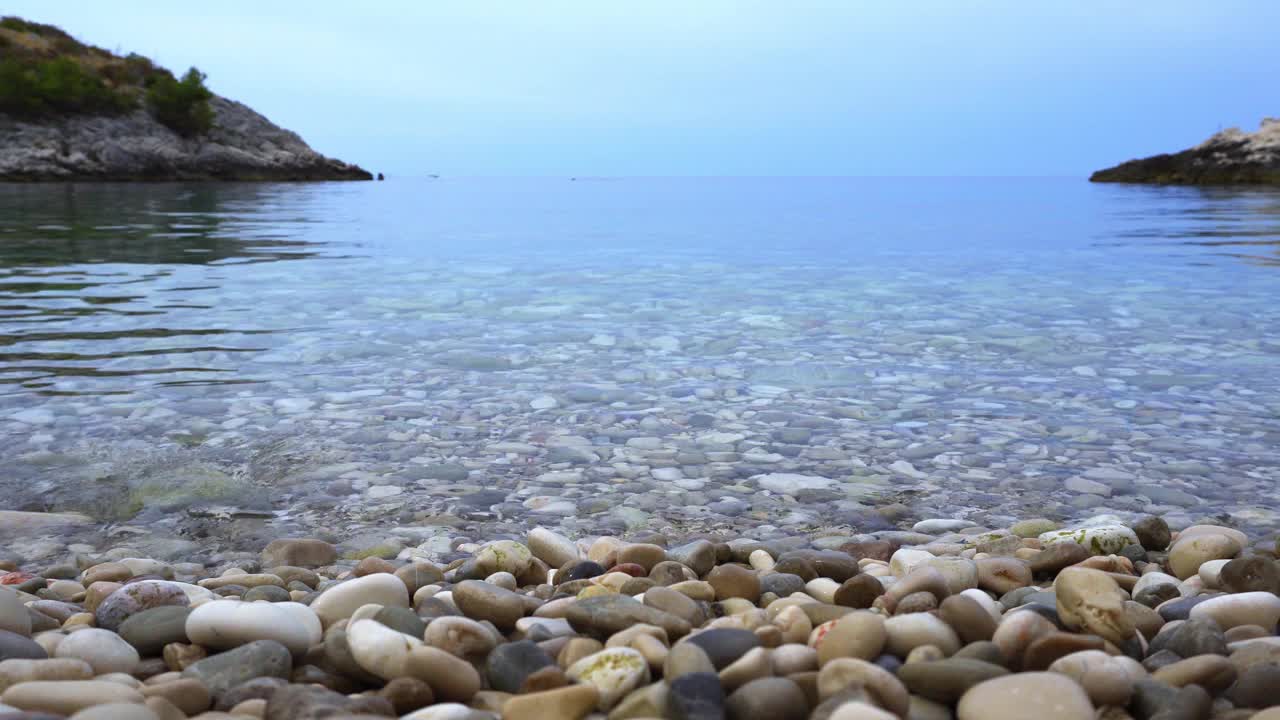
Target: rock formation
1231,157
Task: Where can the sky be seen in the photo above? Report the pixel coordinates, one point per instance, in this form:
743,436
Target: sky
718,87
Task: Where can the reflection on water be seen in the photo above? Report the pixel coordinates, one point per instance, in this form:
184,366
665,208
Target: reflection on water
113,288
94,268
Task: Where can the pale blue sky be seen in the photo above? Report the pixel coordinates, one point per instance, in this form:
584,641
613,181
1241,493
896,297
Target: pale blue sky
718,87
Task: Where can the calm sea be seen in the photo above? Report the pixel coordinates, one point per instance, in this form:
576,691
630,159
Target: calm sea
963,345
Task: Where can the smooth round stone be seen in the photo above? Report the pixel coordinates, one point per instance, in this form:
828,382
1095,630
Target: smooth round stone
1002,574
379,650
105,651
754,664
605,615
267,593
916,602
511,664
483,601
857,710
150,630
1034,527
908,632
1090,600
845,673
784,584
613,672
341,600
945,681
696,696
1058,556
734,581
831,564
1200,636
1017,630
1052,695
1098,539
136,597
106,572
1189,553
1250,573
1047,649
116,711
685,658
19,670
451,678
460,636
970,621
939,526
1256,687
13,613
224,624
960,573
859,635
1250,608
905,560
724,645
1179,608
407,694
1106,679
20,647
646,555
775,698
566,703
1212,672
67,697
503,556
221,672
299,552
699,556
1153,533
859,591
399,619
551,547
675,603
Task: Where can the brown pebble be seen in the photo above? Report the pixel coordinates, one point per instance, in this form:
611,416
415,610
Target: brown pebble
407,694
1042,651
373,566
576,649
859,592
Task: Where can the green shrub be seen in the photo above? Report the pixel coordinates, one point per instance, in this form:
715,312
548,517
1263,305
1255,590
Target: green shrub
61,85
182,105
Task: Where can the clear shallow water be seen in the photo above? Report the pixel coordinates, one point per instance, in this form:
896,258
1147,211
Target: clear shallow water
604,353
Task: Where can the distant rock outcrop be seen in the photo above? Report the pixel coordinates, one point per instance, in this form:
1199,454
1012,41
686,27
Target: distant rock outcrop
1231,157
73,111
242,145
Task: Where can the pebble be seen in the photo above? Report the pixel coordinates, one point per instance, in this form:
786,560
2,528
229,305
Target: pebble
66,697
696,696
1248,608
1052,695
105,651
341,600
225,624
613,672
1107,679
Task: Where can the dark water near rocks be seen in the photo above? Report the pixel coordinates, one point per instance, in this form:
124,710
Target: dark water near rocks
600,353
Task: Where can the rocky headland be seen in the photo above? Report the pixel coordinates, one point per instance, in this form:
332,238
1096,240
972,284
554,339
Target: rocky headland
1231,157
71,111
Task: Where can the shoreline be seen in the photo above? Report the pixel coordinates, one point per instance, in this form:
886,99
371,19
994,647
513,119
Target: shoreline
948,619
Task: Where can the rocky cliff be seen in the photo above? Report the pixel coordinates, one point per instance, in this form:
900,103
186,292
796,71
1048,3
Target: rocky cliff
73,111
242,145
1231,157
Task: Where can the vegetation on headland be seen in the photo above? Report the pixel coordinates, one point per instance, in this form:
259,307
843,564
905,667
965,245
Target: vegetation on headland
46,73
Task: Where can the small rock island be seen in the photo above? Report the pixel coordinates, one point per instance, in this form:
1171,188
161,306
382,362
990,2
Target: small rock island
73,112
1231,157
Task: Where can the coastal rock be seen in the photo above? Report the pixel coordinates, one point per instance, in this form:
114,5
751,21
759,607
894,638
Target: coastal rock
1231,156
242,145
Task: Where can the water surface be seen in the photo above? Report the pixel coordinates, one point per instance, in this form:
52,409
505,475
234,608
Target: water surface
606,353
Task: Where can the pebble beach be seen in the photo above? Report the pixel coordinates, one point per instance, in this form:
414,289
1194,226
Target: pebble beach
316,474
1101,619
